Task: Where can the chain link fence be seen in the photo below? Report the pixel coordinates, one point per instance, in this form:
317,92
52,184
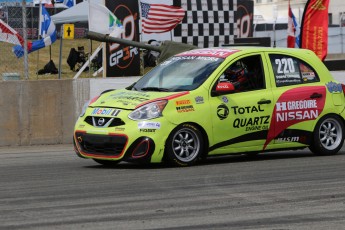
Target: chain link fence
23,17
12,14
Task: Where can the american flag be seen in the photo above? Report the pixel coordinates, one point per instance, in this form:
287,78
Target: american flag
160,18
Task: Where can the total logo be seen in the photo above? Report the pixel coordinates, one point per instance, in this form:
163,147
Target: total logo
222,111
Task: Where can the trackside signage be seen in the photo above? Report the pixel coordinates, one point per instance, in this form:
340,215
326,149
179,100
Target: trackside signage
123,60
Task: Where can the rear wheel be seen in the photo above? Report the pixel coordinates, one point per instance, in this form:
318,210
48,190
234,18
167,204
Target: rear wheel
328,136
107,163
184,146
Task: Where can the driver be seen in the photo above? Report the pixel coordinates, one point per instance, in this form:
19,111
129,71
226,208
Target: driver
237,75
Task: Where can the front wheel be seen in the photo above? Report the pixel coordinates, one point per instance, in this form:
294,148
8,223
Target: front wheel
328,136
184,146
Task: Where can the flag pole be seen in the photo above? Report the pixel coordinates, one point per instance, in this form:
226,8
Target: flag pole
38,37
60,54
39,34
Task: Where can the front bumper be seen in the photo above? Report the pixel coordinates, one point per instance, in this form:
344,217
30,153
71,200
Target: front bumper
113,147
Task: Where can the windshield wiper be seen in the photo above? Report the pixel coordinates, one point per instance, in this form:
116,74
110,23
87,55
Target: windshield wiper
155,89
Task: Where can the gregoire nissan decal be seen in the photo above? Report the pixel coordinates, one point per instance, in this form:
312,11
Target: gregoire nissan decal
295,106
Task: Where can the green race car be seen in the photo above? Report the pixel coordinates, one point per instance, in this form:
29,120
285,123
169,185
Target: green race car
216,101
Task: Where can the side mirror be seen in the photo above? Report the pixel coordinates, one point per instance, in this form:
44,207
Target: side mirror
223,88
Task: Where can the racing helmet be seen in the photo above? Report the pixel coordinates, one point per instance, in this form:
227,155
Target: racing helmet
235,72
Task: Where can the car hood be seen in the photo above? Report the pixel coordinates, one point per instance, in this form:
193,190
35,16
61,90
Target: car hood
127,99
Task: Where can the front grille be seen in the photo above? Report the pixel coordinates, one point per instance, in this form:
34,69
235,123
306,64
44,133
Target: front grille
104,121
116,122
108,145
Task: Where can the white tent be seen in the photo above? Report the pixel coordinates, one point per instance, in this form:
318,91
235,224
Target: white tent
77,13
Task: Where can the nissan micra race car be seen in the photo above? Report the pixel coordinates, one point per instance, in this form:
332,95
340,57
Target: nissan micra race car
216,101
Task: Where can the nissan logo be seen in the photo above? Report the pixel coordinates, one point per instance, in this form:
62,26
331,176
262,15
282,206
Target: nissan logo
101,121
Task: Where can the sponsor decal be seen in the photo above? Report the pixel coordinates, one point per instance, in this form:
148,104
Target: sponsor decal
129,98
199,100
222,111
116,112
202,58
219,53
130,94
308,76
117,129
247,109
185,108
147,130
149,125
105,111
81,126
225,99
183,102
225,86
334,87
287,139
252,123
292,107
296,110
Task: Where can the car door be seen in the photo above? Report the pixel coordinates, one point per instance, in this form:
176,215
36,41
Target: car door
242,118
299,100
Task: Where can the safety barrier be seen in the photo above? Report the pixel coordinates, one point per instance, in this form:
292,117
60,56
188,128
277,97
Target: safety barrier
44,112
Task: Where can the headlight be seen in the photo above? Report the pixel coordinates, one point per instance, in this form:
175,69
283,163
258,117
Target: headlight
148,111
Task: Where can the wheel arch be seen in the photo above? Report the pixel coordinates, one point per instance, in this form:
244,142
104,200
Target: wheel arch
330,114
206,143
316,146
203,133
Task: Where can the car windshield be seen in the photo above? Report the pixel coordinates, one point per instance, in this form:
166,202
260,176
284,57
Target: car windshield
179,73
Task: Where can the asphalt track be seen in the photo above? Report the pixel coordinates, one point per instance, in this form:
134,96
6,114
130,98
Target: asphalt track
49,187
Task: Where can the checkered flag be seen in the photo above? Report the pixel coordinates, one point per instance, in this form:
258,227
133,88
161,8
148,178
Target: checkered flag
208,23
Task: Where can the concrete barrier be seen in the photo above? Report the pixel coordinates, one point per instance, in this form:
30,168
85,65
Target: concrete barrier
44,112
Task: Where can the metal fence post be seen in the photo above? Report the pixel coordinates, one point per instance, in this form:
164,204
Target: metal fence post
25,37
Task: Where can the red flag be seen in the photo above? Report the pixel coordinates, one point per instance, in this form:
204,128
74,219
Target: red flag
160,18
8,34
291,39
314,28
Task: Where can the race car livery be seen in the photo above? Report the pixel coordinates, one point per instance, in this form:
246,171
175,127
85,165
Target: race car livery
216,101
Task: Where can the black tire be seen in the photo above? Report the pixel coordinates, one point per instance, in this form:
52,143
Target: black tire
328,137
108,163
184,146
